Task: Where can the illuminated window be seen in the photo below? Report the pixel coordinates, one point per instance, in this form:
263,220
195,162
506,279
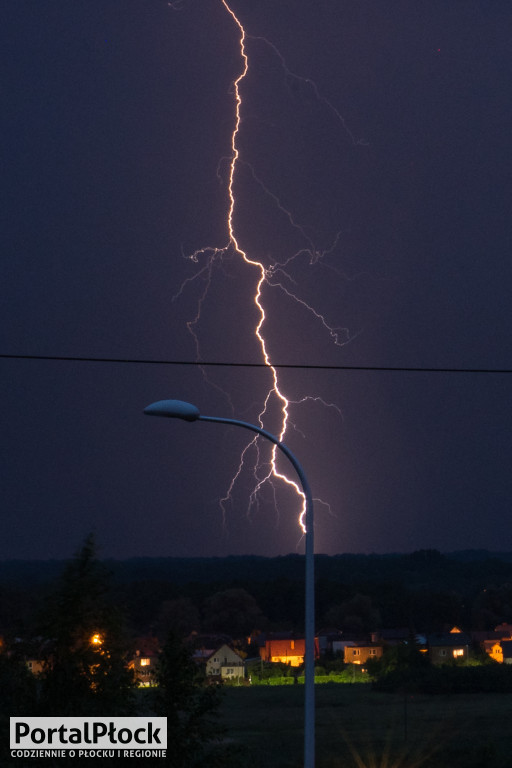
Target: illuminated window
145,662
458,652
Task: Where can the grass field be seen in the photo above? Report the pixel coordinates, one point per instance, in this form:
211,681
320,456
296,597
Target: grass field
359,728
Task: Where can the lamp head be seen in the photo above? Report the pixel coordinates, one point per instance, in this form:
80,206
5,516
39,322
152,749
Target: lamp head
173,409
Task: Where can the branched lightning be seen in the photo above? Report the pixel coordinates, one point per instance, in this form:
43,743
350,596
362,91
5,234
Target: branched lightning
290,76
273,277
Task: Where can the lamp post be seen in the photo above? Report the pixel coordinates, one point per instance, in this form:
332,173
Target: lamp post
178,409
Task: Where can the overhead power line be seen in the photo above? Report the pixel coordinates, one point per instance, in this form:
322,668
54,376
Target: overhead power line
225,364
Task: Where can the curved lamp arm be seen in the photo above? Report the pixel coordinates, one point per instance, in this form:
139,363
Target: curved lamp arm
178,409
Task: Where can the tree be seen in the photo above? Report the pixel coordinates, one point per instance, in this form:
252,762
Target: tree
179,616
355,615
492,606
402,667
85,671
233,611
18,696
189,705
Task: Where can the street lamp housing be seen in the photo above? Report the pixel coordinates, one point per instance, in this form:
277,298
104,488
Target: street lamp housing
173,409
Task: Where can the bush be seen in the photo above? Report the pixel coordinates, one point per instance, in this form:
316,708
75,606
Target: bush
267,669
448,679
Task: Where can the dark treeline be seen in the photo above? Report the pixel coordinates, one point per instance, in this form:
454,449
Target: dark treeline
425,590
464,565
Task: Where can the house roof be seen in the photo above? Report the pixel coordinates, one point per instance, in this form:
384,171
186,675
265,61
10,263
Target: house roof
224,645
202,654
266,636
504,629
395,633
330,634
449,639
488,644
479,636
146,646
364,645
344,643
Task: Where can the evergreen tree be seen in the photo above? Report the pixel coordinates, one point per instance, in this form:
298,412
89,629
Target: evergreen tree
190,707
86,671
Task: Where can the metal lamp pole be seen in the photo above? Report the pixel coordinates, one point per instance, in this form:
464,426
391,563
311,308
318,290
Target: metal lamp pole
178,409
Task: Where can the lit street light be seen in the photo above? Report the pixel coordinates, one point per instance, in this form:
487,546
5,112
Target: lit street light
177,409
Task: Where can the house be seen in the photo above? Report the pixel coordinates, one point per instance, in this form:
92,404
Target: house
398,636
144,660
480,637
287,650
497,644
494,650
359,653
225,663
506,649
37,654
201,655
338,646
327,638
504,630
394,636
36,666
446,647
499,650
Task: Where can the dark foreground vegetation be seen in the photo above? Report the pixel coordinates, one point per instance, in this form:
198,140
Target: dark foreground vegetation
82,651
412,714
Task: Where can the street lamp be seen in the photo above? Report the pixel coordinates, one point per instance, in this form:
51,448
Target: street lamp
177,409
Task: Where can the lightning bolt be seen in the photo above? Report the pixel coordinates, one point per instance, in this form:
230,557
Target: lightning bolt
274,276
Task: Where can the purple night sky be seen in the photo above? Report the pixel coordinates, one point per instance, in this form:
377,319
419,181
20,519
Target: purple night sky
372,185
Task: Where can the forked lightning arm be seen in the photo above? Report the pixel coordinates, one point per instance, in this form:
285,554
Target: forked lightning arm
264,275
